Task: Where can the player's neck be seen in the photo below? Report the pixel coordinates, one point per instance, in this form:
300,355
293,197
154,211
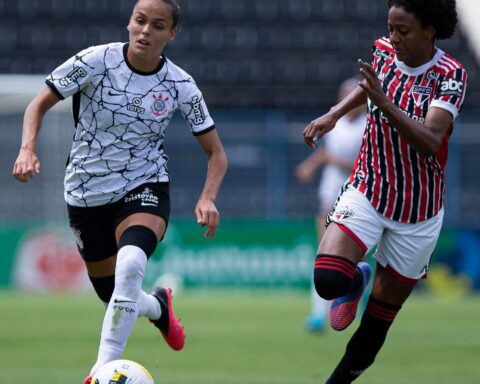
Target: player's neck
141,64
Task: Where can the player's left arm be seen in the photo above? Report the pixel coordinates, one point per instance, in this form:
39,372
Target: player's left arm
205,211
425,137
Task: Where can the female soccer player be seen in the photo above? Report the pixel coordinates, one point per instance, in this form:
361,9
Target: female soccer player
395,194
116,180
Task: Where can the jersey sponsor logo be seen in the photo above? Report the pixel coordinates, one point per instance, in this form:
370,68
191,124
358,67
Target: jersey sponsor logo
147,198
159,106
135,105
421,94
199,115
412,116
73,77
451,87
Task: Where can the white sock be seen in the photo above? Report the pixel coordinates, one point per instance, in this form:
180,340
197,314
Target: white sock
122,311
148,306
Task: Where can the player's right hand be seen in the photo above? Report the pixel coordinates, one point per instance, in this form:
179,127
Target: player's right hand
317,128
26,166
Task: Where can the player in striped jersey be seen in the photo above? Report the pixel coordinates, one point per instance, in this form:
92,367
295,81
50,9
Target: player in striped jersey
394,196
116,181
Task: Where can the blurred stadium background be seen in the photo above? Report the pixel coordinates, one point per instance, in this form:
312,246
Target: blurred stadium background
266,68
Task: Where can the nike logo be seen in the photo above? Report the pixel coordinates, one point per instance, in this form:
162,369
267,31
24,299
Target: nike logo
116,301
143,204
110,93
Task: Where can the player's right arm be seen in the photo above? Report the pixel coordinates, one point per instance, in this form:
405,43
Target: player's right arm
325,123
27,163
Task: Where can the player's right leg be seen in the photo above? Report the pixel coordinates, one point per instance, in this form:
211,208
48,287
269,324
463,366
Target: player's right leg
102,276
93,228
96,245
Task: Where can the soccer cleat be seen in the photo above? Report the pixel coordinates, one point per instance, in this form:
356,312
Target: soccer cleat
344,309
88,380
168,324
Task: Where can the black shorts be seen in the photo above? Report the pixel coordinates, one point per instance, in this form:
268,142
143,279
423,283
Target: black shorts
94,227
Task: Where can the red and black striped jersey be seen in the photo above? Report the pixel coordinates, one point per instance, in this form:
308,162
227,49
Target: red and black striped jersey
401,183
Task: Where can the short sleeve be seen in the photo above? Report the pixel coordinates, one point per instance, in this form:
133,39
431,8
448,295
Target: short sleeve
450,92
194,109
76,73
381,51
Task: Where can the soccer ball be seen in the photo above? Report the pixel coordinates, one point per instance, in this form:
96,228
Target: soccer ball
122,372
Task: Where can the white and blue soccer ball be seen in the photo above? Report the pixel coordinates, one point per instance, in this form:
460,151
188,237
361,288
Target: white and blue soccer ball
122,372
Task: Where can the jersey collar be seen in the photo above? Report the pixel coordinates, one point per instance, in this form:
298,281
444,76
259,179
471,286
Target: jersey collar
156,70
421,69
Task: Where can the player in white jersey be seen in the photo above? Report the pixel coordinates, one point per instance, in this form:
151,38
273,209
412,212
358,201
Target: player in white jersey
335,156
394,196
116,179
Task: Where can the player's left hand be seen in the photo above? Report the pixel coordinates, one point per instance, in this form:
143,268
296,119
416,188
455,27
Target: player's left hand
207,215
372,85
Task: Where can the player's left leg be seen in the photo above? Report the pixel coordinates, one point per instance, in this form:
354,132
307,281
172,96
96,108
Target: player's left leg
388,295
136,243
156,306
402,256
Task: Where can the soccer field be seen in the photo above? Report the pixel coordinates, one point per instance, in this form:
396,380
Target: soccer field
234,338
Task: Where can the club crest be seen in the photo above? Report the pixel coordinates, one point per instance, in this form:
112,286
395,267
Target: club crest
343,213
159,106
421,94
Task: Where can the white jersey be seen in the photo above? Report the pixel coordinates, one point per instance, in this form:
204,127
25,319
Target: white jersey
120,119
342,142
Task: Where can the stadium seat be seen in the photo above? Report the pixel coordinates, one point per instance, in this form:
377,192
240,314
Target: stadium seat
322,37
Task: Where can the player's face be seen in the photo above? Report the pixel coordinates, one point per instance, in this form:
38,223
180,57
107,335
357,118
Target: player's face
150,29
413,43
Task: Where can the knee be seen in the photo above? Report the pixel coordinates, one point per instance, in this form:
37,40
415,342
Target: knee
135,246
333,276
141,237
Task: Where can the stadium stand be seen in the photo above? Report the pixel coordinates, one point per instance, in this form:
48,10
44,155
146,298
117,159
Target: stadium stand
262,46
266,68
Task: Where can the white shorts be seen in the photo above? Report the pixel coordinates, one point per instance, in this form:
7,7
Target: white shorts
405,249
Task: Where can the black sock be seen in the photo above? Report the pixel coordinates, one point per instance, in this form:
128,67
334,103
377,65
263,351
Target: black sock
103,286
366,342
335,276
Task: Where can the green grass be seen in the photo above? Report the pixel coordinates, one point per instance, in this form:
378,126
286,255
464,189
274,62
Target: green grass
232,338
